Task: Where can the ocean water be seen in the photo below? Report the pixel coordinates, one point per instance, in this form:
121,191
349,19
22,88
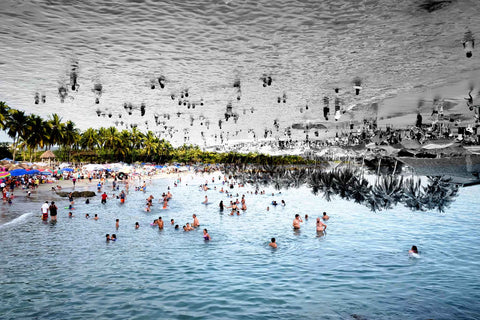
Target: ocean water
203,46
359,270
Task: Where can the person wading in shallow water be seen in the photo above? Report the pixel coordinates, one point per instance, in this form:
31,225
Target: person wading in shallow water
296,222
53,211
44,209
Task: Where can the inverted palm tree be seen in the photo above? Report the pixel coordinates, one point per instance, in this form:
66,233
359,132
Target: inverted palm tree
413,195
361,190
439,193
344,181
388,191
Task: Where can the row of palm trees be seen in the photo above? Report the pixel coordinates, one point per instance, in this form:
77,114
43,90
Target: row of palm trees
31,132
349,183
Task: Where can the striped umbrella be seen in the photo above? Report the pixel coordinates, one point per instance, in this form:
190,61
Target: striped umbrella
4,174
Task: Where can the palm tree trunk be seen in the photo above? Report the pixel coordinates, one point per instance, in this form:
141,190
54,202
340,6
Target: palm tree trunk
14,148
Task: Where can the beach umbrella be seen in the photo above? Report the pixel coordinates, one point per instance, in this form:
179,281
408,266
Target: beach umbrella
68,169
18,172
4,174
58,171
34,171
46,172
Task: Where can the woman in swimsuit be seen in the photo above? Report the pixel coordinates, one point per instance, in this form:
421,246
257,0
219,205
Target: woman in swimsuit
206,236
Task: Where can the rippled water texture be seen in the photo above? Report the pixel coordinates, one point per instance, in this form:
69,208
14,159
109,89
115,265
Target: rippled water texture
361,267
308,47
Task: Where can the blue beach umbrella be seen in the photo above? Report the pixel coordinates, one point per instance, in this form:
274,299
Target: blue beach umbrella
46,173
67,169
18,172
34,171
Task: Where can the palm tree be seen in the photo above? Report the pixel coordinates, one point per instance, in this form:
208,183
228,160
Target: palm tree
150,144
35,133
71,137
15,125
89,140
112,141
57,130
136,141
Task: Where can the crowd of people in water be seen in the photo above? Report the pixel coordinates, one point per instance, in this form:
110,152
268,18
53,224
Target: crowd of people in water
236,206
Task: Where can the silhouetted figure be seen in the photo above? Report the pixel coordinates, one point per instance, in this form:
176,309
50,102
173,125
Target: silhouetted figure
468,43
419,120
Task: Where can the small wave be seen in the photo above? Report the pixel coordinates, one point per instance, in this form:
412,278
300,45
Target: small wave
17,220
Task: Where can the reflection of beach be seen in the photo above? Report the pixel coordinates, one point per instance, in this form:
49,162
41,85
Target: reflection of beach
401,111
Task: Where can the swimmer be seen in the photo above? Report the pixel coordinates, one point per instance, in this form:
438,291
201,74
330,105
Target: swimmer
283,203
114,237
206,200
87,201
137,225
325,216
297,221
70,215
117,223
172,222
206,236
96,217
87,216
107,237
273,243
306,217
176,227
195,221
189,227
160,223
321,227
221,205
413,250
268,208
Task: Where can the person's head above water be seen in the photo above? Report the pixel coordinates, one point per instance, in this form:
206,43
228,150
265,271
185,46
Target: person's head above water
468,54
273,240
297,215
414,249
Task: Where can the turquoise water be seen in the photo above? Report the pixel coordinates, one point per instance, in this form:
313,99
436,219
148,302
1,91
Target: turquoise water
359,269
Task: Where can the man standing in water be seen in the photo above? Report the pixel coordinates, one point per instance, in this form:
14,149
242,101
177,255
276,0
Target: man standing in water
104,197
296,222
45,207
195,221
